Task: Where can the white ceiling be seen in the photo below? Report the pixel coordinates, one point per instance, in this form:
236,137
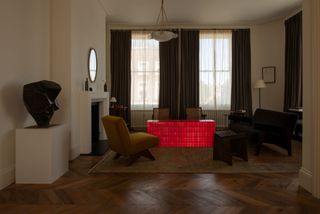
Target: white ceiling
199,12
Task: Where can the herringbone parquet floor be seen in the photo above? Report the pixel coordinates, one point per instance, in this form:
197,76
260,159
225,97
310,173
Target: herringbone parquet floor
78,192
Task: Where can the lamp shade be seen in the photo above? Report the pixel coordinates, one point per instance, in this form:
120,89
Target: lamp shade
259,84
163,36
113,100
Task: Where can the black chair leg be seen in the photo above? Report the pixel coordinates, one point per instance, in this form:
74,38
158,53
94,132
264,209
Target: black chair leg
258,148
290,149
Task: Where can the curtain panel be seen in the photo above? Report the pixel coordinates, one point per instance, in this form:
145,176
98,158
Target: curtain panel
145,71
241,97
121,68
189,85
169,74
293,62
215,69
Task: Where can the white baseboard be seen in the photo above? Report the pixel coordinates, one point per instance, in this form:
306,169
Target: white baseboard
305,179
7,176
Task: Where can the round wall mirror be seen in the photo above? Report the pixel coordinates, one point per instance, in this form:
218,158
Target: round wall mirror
93,65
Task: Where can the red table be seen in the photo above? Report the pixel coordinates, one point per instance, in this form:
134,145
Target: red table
183,133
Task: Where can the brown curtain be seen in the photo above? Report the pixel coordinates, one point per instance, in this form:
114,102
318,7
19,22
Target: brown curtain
189,88
293,63
169,58
121,68
241,71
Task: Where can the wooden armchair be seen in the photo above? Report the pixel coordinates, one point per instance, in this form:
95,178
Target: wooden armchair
161,114
195,114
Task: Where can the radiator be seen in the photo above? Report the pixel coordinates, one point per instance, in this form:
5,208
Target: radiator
220,116
139,118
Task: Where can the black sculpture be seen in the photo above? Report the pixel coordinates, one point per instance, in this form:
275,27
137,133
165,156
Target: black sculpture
40,100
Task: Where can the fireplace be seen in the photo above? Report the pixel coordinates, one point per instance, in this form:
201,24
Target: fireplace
98,147
93,106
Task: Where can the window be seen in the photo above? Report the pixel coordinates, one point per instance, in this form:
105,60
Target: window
145,71
215,69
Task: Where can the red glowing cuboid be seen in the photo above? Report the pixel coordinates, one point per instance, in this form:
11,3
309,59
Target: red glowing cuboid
183,133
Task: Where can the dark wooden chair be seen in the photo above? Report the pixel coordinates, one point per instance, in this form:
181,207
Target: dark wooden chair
195,114
161,114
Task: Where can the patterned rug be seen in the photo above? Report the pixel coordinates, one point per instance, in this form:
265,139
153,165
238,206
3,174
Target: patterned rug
272,159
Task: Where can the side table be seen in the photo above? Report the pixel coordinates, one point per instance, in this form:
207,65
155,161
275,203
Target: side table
229,143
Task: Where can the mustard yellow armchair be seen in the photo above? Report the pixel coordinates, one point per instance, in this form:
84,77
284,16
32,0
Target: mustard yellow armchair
123,143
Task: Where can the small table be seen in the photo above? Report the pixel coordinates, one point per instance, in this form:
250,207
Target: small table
229,143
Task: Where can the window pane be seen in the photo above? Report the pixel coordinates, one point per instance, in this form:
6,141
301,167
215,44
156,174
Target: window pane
145,71
215,69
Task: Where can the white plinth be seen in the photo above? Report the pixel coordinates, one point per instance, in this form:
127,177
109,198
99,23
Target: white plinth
42,154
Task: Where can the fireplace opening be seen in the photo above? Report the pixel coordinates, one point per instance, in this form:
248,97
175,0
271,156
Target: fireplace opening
99,147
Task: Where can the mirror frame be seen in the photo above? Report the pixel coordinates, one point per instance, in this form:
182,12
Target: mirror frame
92,50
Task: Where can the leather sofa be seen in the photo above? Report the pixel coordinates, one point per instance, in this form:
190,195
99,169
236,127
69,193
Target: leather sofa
266,126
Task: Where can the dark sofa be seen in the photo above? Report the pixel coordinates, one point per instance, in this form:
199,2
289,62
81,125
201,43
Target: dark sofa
266,126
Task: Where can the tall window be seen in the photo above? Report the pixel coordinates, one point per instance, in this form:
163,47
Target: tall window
145,71
215,69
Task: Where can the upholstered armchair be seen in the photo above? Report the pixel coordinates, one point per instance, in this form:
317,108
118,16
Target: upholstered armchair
123,143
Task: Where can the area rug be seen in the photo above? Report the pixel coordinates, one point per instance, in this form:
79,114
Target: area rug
272,159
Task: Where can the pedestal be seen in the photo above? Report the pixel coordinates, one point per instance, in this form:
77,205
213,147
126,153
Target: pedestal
42,154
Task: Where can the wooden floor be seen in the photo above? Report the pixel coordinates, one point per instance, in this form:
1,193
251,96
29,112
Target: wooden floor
78,192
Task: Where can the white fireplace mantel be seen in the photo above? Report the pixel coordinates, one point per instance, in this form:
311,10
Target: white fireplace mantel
86,99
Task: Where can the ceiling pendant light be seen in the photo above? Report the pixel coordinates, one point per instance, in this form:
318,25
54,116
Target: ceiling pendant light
163,35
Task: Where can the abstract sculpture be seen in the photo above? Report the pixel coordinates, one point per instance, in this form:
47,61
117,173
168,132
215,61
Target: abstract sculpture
40,100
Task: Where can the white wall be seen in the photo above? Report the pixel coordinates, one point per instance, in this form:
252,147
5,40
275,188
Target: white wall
88,30
306,172
77,26
268,49
46,39
24,58
309,177
61,59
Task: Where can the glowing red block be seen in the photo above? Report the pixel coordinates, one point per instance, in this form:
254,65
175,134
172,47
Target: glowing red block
183,133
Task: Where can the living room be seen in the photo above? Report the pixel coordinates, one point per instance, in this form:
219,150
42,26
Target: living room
50,40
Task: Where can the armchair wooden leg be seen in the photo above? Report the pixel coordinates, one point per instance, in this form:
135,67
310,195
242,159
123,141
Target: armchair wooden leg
116,156
145,153
133,158
148,154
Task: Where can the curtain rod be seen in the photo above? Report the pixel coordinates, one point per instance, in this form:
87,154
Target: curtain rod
153,29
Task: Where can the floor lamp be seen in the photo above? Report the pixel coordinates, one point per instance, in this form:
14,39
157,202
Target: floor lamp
260,84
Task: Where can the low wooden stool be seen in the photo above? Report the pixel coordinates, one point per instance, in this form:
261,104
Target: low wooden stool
228,143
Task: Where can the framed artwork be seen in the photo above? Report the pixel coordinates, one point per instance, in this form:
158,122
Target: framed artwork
269,74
